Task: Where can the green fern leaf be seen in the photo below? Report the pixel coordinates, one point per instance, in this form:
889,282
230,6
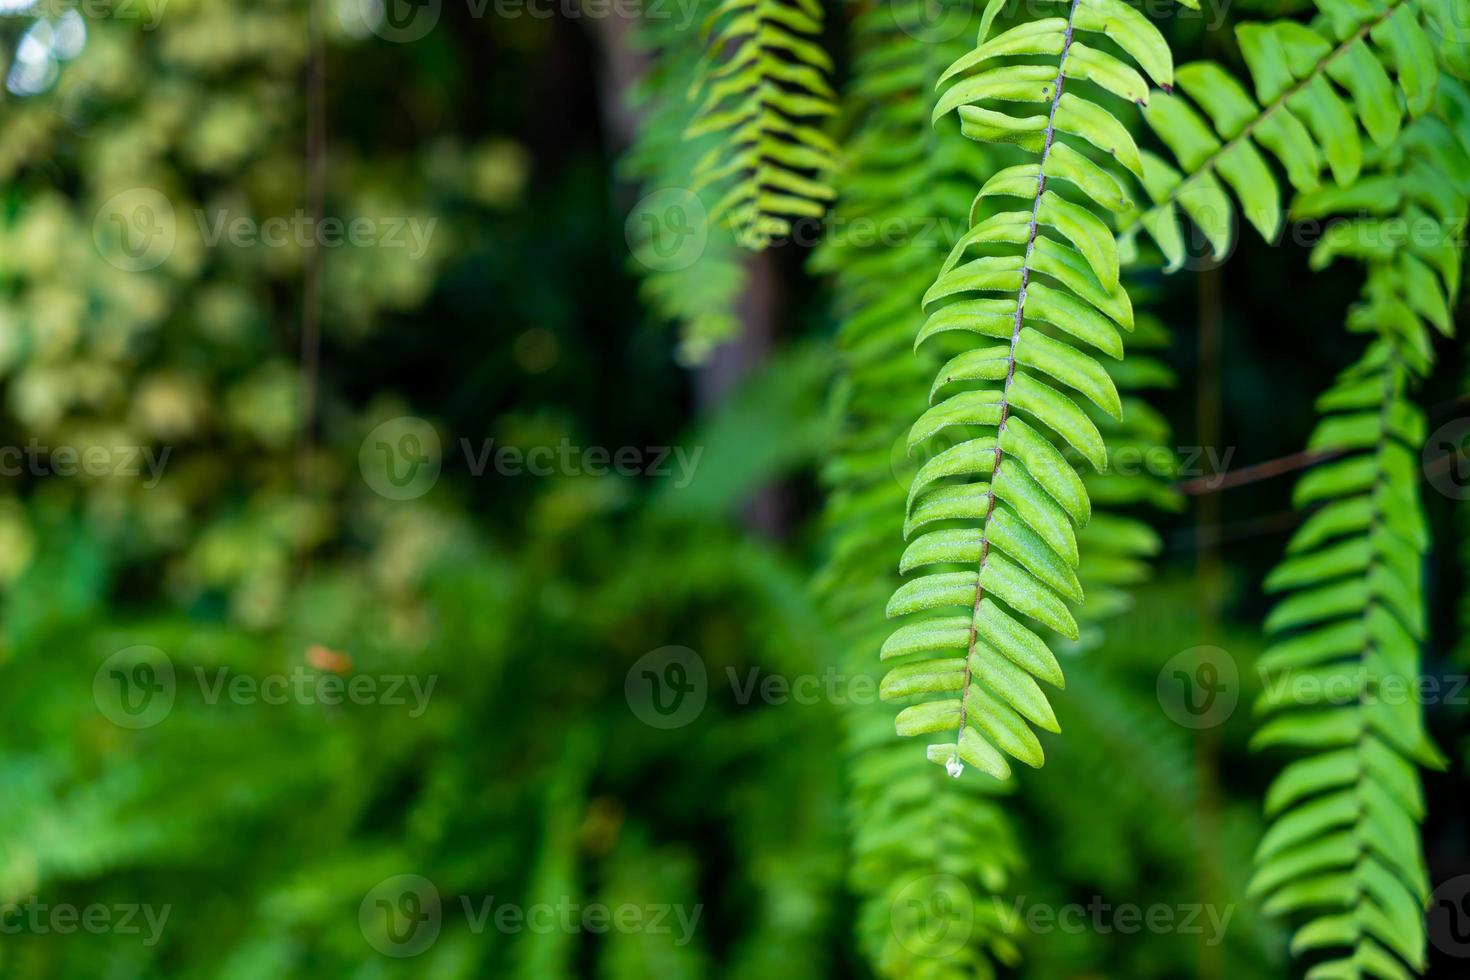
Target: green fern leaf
1344,847
691,275
1325,97
1043,282
901,175
1344,838
762,86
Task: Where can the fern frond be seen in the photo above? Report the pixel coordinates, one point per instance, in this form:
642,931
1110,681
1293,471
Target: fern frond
691,275
762,86
1358,70
1344,845
910,829
1045,279
1344,842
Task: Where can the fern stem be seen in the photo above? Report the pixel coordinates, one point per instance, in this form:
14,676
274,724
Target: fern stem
1209,163
955,768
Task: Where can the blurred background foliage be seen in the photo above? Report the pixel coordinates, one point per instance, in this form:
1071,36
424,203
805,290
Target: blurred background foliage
263,550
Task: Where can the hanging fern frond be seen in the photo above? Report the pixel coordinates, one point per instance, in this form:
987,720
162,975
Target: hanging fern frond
1323,92
1344,846
1000,542
692,275
1344,841
911,829
762,85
